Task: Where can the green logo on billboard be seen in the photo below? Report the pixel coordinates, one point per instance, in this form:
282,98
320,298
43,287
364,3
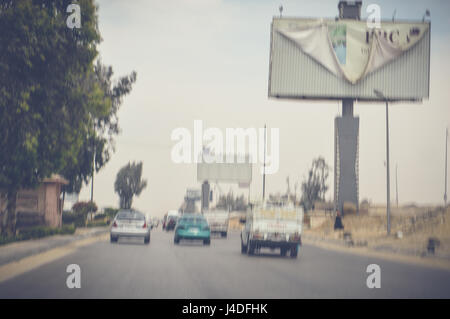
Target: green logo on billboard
338,37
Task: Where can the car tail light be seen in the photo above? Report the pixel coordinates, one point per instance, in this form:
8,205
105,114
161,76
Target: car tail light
145,225
115,224
257,234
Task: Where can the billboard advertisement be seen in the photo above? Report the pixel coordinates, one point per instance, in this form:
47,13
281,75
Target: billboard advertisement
335,59
236,172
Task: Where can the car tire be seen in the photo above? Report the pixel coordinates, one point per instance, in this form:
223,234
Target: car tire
147,240
207,241
176,240
113,239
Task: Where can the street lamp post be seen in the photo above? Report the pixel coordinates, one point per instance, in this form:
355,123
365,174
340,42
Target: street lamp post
388,186
446,144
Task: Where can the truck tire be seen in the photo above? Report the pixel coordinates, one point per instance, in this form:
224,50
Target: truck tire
294,252
207,242
243,247
250,248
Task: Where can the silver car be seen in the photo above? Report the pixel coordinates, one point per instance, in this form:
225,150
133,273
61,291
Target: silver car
130,223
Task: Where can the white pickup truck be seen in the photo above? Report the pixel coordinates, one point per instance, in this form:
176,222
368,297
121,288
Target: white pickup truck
217,221
273,227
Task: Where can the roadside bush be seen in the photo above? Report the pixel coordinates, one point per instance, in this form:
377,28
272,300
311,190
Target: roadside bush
44,231
73,218
38,232
84,207
111,212
99,223
100,216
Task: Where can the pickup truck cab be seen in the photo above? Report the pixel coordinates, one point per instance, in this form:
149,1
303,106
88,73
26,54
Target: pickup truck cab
272,227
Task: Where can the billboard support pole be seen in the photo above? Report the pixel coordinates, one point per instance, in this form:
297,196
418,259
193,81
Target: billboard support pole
346,157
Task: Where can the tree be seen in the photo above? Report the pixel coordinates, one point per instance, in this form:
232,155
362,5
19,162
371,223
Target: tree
44,116
230,202
98,144
129,183
314,187
56,108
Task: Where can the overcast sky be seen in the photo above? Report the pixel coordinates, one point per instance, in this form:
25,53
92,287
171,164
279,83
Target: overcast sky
209,60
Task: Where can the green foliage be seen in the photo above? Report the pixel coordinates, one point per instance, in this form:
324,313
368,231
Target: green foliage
129,183
100,216
76,219
314,187
38,232
42,115
111,212
84,207
79,213
98,223
232,203
57,109
98,144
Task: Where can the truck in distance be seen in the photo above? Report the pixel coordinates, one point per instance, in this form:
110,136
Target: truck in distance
275,227
218,221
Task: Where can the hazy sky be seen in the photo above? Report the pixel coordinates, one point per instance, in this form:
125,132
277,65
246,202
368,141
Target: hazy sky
209,60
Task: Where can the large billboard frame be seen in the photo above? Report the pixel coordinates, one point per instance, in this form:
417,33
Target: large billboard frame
373,97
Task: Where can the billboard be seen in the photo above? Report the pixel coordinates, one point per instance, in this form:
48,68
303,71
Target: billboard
337,59
239,171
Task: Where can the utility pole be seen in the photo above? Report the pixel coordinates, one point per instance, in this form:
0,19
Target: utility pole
388,184
388,204
396,183
446,146
264,167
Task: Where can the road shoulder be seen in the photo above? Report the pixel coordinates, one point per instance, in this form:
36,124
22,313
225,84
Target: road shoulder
432,262
19,257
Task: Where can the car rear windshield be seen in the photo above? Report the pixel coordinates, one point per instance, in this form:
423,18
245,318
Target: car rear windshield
192,220
278,215
130,215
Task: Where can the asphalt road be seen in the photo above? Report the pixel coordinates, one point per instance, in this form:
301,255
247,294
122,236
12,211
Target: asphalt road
130,269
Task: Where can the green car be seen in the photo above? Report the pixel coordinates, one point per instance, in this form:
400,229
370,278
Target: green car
192,226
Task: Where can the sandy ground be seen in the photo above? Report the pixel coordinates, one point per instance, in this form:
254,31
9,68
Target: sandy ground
414,230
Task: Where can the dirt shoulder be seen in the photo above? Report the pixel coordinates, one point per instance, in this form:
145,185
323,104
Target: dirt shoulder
409,240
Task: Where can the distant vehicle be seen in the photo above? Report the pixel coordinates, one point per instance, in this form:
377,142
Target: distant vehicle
272,227
218,221
171,220
164,220
130,223
149,221
192,226
155,222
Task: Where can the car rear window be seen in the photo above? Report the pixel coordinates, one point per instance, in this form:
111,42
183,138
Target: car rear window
193,220
130,215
